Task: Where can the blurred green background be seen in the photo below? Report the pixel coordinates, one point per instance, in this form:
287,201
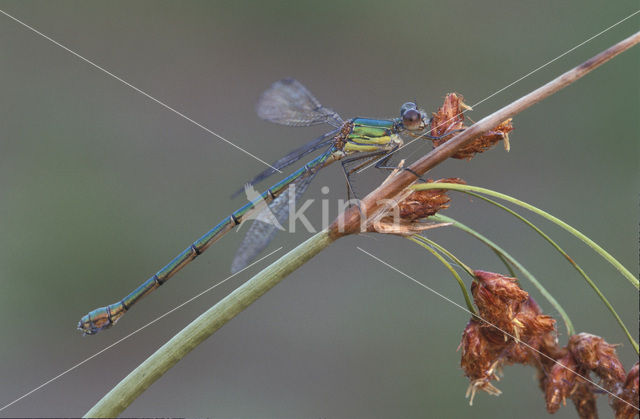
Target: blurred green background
100,187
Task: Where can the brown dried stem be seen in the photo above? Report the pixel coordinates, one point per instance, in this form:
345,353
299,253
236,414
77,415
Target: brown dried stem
349,222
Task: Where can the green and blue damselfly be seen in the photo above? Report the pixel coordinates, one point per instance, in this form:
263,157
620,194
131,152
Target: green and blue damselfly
358,141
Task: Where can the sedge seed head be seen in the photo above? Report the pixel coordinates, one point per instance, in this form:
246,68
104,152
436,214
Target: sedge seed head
628,392
450,117
424,203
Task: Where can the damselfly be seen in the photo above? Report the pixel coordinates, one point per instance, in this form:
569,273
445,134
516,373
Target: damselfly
357,141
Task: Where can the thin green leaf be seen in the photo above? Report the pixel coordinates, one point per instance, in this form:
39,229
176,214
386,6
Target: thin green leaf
465,293
467,188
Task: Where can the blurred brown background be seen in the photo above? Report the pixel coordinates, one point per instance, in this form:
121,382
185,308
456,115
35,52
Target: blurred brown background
100,187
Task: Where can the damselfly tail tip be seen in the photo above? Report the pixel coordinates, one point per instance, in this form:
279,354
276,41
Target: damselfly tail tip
96,320
86,327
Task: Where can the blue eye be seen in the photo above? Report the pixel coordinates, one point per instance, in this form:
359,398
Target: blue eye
407,107
411,116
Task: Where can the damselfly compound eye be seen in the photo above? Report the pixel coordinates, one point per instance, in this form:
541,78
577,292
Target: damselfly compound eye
412,119
406,107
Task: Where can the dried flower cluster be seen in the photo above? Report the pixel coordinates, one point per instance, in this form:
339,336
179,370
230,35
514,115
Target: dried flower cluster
514,330
486,347
422,204
629,391
404,216
450,117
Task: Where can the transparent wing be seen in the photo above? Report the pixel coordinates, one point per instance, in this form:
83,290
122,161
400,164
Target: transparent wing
263,228
288,102
313,145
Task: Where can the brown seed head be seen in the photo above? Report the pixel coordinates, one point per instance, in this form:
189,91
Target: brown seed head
531,324
560,382
593,353
422,204
584,400
498,299
530,337
628,392
537,330
478,352
449,117
480,360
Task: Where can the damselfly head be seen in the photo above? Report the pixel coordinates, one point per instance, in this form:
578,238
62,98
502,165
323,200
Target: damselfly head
413,119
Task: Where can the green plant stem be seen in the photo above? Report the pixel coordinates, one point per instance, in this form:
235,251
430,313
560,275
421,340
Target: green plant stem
450,255
134,384
512,273
467,188
571,261
465,293
514,262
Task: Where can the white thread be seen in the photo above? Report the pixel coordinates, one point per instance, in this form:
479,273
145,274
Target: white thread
507,86
138,90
